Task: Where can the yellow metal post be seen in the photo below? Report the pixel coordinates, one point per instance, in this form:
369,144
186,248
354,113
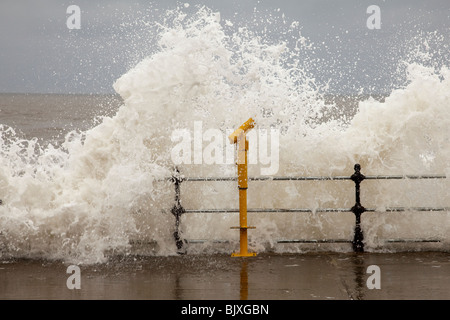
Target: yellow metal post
239,138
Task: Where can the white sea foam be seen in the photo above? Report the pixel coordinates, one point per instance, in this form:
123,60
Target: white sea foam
101,189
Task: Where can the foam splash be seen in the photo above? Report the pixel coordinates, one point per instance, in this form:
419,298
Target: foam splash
101,189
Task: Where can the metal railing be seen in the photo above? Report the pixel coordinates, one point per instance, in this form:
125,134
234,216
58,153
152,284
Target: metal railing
357,177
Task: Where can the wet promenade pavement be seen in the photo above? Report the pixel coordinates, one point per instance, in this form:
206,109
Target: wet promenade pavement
317,276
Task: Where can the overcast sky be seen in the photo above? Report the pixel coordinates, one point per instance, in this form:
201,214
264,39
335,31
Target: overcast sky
40,54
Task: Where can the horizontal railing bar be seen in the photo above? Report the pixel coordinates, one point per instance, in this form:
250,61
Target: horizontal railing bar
278,241
311,178
194,241
411,240
209,179
304,210
298,178
350,241
301,210
210,210
398,177
263,178
401,209
314,241
265,210
204,241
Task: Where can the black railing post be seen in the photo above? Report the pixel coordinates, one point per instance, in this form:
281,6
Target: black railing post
177,211
358,209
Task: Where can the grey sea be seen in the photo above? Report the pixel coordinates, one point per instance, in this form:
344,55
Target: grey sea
49,117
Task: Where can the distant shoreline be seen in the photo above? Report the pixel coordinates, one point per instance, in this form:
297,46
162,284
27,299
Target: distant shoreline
356,96
58,94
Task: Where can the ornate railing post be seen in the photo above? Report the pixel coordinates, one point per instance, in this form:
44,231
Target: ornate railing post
358,209
177,211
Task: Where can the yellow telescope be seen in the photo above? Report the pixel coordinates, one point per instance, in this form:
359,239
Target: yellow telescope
239,138
243,129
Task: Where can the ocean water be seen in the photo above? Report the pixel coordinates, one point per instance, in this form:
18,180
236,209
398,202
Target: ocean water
84,177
